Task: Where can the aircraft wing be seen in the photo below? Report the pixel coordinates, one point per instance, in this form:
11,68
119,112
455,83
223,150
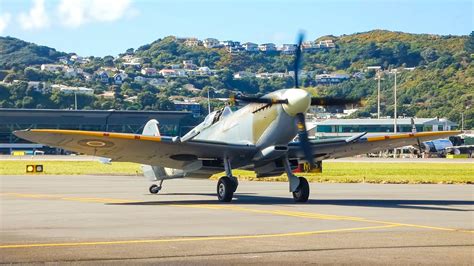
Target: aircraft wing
150,150
340,147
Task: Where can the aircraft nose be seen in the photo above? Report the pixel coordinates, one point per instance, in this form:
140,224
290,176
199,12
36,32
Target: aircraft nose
298,101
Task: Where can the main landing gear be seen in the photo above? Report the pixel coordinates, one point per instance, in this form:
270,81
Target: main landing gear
154,189
298,185
227,185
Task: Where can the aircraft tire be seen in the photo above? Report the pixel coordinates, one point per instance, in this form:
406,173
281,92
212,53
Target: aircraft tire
302,192
225,189
154,189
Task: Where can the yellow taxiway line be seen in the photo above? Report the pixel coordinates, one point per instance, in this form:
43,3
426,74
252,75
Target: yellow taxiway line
307,215
148,241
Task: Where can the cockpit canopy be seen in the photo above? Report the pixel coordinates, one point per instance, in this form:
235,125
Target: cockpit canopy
210,119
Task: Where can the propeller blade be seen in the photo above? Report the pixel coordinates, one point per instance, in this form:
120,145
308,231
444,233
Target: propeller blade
296,66
304,140
260,100
328,101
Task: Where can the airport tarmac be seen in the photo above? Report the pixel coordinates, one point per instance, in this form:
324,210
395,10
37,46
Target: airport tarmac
104,219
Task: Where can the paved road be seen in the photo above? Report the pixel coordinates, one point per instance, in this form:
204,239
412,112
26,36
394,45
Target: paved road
99,219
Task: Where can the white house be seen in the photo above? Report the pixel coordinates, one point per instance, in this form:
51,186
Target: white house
204,71
78,59
51,67
267,47
211,43
288,48
70,90
243,74
331,78
250,47
192,42
326,44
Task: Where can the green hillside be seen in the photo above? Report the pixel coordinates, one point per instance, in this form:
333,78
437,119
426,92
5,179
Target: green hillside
436,74
18,53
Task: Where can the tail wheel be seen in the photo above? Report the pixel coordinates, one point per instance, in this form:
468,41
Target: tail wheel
154,189
302,192
225,189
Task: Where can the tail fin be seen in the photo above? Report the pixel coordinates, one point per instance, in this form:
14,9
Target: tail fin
157,172
151,128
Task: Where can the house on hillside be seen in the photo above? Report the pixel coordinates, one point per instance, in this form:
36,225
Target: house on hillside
331,78
119,77
250,47
52,67
326,44
309,47
78,59
267,47
192,42
103,77
211,43
243,74
148,71
188,64
288,48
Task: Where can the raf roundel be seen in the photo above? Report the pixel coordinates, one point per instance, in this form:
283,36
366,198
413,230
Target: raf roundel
95,143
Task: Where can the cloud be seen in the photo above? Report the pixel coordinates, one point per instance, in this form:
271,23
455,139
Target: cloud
76,13
36,18
4,21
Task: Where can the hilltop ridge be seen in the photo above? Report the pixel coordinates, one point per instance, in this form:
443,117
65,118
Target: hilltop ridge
436,72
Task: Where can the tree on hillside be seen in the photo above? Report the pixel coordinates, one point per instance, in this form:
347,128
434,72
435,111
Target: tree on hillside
429,55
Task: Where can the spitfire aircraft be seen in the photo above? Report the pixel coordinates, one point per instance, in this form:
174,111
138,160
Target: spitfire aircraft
258,137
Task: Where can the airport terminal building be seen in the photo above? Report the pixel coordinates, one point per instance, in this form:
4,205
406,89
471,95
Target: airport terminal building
350,127
172,123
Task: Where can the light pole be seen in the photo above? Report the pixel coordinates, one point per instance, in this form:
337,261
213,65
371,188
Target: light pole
208,102
395,104
379,75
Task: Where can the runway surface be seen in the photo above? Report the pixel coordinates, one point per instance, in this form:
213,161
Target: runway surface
101,219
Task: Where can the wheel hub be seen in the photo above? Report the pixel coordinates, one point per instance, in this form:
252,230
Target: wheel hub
221,190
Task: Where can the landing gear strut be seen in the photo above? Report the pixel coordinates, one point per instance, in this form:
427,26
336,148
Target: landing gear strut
227,185
298,185
154,189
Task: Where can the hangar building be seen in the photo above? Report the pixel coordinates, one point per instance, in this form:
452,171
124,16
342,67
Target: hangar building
172,123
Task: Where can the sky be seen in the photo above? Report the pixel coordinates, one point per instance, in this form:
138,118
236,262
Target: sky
109,27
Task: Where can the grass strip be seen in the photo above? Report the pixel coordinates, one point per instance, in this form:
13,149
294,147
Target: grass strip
334,172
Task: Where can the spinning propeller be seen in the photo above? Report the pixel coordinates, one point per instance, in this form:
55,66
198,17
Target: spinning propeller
296,102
